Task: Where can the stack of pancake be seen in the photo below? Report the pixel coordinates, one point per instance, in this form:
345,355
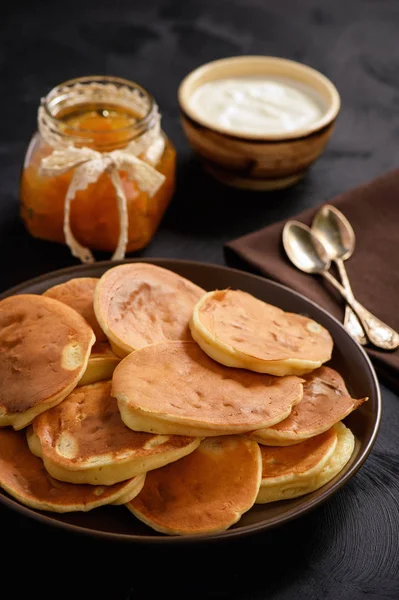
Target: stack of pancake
140,388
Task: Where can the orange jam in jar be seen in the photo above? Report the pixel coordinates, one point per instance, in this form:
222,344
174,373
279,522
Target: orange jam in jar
104,114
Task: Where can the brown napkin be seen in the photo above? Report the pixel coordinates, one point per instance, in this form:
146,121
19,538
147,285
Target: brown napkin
373,211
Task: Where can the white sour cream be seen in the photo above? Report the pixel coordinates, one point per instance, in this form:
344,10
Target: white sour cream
257,105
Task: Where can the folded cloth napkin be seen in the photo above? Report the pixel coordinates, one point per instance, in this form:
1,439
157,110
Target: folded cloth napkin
373,211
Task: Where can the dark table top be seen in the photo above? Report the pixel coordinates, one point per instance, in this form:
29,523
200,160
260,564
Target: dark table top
348,547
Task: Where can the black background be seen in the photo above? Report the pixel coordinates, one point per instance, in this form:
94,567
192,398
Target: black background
348,548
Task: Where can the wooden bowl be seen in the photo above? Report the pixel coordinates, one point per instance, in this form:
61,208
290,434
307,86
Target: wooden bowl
256,161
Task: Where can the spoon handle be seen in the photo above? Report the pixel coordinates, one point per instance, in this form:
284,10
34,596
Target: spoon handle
351,322
379,334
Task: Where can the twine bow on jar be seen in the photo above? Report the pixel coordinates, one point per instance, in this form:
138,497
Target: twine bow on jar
89,165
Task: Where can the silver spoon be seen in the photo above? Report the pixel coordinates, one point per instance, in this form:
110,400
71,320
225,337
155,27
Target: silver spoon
307,253
338,238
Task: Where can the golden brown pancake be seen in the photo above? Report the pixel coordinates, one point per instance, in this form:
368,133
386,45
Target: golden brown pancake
325,401
285,468
78,293
175,387
292,471
24,477
205,492
83,440
101,365
140,304
44,346
238,330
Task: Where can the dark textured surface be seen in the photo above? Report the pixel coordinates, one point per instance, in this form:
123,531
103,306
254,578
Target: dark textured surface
348,548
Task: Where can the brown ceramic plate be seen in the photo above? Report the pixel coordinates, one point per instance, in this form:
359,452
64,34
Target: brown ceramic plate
349,359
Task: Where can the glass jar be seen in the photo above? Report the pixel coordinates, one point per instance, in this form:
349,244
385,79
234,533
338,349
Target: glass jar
104,114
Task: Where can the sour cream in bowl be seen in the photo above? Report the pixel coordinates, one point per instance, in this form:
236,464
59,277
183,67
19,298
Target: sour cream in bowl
258,121
257,104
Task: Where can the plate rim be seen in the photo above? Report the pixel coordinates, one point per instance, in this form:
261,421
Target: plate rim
247,530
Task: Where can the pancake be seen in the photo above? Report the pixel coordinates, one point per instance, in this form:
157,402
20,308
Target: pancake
23,476
285,469
140,304
44,346
78,293
205,492
83,440
238,330
101,365
325,401
175,387
294,471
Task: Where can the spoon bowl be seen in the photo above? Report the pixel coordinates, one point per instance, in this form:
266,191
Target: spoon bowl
335,231
304,249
